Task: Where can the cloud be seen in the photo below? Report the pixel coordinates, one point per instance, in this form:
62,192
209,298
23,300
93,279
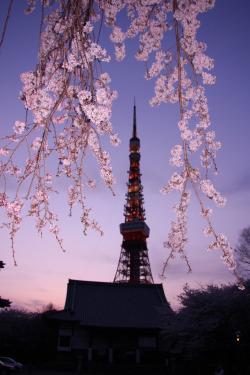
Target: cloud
238,184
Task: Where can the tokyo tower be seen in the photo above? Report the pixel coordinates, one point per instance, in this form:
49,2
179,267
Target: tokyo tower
134,266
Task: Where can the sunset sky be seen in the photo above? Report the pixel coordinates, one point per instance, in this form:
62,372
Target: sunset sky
43,270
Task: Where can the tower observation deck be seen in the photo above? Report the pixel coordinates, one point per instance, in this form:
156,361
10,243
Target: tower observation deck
134,266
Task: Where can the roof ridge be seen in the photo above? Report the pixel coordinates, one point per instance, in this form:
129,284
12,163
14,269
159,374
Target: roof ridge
115,285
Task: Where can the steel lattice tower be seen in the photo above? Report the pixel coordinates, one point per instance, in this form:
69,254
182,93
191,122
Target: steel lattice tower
134,266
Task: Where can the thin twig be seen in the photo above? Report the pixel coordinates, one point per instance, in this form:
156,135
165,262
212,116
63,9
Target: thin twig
6,22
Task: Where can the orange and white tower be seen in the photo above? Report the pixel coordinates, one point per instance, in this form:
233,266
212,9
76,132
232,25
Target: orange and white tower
134,266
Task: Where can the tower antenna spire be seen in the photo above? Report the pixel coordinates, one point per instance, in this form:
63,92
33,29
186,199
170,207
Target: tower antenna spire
134,122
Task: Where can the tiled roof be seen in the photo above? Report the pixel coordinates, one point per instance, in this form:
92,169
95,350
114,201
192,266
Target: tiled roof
113,305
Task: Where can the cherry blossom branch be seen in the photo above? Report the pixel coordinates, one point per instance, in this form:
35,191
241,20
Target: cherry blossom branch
205,185
66,91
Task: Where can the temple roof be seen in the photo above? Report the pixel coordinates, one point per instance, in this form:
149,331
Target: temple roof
113,305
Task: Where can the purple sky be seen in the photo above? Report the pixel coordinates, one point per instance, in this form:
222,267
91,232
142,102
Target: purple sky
43,269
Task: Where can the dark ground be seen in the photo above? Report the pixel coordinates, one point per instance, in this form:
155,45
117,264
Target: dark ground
126,370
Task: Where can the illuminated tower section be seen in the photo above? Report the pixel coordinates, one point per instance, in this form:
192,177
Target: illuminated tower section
134,266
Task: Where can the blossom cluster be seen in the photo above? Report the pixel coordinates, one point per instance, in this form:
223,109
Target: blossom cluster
177,237
13,210
221,242
207,188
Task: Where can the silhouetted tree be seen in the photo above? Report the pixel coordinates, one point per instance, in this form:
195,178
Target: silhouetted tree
4,302
25,336
49,307
207,326
243,253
